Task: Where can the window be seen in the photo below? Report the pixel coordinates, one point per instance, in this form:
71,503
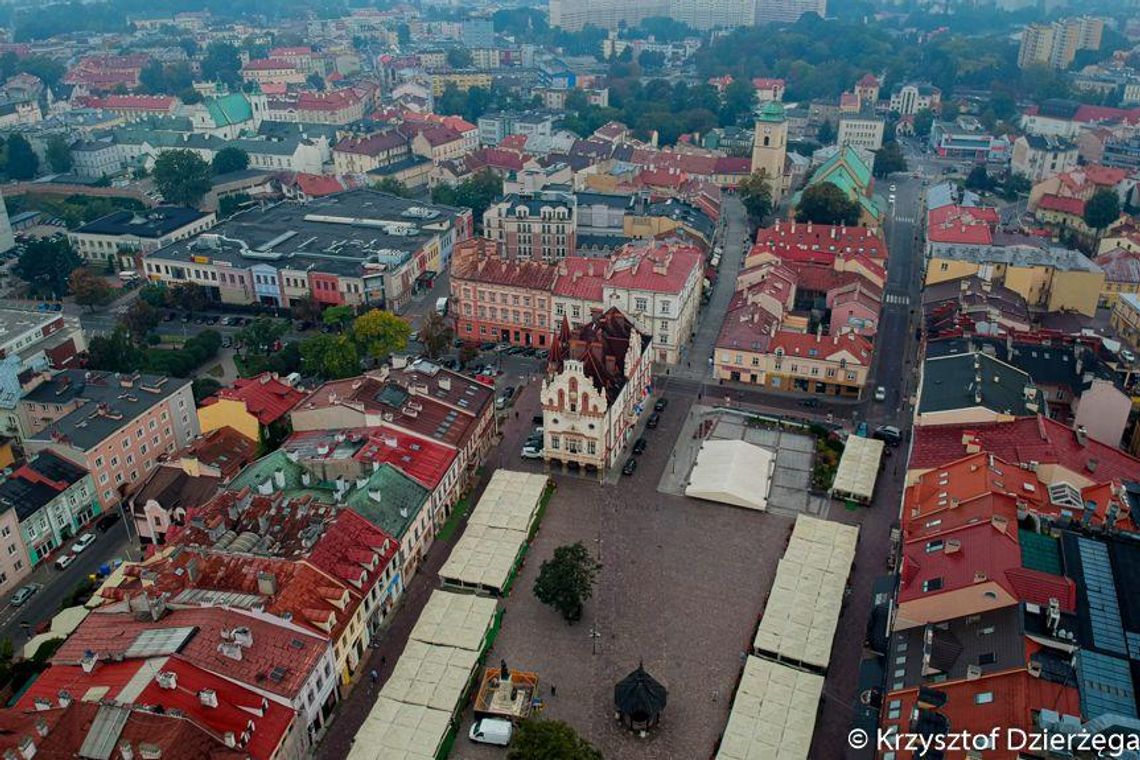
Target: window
984,698
640,304
987,658
932,584
934,546
4,533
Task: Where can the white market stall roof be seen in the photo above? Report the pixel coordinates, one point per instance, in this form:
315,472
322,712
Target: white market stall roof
510,500
398,731
773,714
732,472
858,469
804,605
430,675
823,544
455,620
802,614
484,557
62,625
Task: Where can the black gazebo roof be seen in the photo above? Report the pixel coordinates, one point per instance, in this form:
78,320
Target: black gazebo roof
639,694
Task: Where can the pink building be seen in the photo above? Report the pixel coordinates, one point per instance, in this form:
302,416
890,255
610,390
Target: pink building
115,425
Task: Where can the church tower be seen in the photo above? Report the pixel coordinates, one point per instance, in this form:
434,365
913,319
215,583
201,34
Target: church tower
770,144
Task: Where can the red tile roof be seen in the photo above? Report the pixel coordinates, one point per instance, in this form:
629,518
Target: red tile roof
1120,265
1024,440
134,682
734,165
224,448
766,83
1089,113
132,102
354,550
984,549
290,517
297,51
277,645
513,142
265,397
423,461
652,266
320,185
825,348
1071,206
175,737
783,238
267,64
372,145
476,260
961,224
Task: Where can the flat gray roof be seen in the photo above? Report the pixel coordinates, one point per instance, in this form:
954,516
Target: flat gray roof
337,234
1016,255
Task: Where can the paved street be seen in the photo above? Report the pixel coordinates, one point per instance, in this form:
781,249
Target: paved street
57,585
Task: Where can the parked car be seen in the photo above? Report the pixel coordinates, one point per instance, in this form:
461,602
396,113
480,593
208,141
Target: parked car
862,429
23,594
880,393
639,446
492,731
630,466
532,451
661,404
84,541
63,561
505,398
653,420
811,403
107,520
537,420
889,434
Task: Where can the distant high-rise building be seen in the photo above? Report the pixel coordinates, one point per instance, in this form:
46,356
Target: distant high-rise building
573,15
768,11
1056,44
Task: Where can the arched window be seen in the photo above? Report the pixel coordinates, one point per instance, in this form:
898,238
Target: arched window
767,140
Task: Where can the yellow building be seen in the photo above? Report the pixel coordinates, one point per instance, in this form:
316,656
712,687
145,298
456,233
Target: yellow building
1126,319
250,406
1121,274
1048,278
463,80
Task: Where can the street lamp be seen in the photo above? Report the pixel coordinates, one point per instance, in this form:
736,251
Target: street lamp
595,634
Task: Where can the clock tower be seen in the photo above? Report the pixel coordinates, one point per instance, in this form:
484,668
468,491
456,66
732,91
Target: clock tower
770,145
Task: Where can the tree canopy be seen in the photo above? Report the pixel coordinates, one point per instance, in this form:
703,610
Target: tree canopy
378,333
756,194
540,739
46,264
824,203
566,581
229,159
89,289
436,334
58,154
1102,209
182,177
476,193
20,161
889,159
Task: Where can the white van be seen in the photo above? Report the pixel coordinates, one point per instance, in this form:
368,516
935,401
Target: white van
492,731
441,306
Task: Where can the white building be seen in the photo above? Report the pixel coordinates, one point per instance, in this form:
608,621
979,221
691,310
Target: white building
861,131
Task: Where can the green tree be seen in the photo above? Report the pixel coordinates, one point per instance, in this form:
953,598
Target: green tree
435,334
182,177
923,121
58,153
188,296
380,333
330,356
316,81
229,159
203,388
392,186
889,159
21,162
756,194
152,77
306,309
1101,210
542,739
114,352
824,203
46,264
651,60
403,33
262,334
89,289
141,318
567,581
476,193
978,178
337,317
154,293
190,96
221,63
452,101
739,98
826,133
1016,184
459,58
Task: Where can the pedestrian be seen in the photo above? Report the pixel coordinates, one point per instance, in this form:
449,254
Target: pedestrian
373,676
383,660
553,690
715,695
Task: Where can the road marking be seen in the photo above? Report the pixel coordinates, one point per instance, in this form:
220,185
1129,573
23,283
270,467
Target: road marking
896,298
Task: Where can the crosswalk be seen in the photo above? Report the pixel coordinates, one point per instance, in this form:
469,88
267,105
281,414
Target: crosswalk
904,219
898,298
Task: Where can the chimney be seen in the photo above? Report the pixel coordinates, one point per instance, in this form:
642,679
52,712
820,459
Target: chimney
230,650
242,636
208,697
375,495
266,583
88,661
125,750
64,698
42,727
27,748
1053,615
1082,435
167,680
279,478
265,487
230,739
148,751
306,478
361,482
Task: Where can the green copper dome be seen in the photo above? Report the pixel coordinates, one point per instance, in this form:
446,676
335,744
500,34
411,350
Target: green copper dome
772,111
